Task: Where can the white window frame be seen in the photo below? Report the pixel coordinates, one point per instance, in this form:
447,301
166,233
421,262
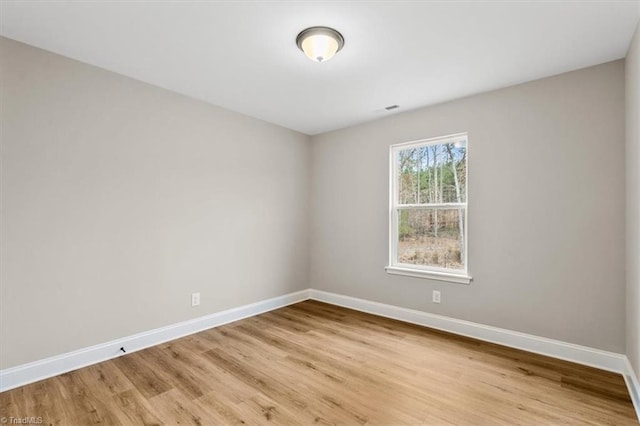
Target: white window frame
422,271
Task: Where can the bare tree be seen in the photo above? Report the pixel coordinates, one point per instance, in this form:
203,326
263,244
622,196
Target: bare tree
458,198
435,189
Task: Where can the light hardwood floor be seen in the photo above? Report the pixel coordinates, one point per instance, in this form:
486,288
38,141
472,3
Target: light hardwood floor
313,363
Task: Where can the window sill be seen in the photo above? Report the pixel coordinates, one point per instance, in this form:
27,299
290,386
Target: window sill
432,275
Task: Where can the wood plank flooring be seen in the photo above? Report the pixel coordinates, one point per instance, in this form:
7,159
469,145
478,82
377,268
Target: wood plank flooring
313,363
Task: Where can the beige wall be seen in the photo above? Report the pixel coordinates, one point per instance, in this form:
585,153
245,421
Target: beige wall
633,201
120,199
546,208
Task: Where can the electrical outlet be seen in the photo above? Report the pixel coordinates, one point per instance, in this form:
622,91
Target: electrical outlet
436,296
195,299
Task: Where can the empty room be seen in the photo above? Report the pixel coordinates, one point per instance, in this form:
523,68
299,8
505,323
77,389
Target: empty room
304,212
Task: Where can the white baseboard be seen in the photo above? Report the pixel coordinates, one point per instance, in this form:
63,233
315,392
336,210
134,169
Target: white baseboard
35,371
604,360
633,384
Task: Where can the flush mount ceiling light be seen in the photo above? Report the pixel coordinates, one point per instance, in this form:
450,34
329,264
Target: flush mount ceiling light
320,43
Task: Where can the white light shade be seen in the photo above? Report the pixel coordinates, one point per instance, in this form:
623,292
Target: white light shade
319,47
320,43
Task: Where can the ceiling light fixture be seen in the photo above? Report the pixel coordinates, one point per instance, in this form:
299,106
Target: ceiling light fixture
320,43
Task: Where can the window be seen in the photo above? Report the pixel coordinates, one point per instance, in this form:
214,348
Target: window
428,209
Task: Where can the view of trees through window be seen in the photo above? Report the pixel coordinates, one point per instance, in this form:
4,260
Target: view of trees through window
431,200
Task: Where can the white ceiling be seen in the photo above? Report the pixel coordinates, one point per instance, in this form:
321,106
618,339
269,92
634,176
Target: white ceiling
242,55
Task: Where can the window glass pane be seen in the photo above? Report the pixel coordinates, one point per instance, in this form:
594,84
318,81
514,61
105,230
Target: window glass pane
431,237
432,174
407,176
